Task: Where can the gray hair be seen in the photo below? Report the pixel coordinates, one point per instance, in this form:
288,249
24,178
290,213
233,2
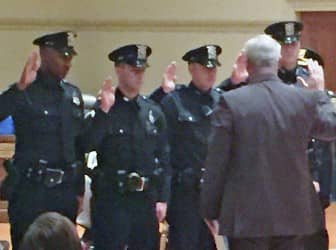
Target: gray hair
262,51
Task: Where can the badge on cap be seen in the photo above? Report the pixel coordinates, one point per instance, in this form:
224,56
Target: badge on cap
211,52
71,39
142,55
151,117
289,29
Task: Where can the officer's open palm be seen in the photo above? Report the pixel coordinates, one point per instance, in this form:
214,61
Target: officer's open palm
106,95
315,80
169,78
239,72
316,74
29,71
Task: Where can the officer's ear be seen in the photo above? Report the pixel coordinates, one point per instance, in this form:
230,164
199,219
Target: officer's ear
191,67
117,67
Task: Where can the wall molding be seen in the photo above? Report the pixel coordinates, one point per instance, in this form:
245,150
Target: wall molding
23,24
313,5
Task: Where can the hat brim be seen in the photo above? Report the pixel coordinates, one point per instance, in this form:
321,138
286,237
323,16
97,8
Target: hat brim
136,63
210,63
289,39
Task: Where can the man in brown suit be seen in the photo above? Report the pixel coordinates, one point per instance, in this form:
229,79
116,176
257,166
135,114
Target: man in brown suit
257,188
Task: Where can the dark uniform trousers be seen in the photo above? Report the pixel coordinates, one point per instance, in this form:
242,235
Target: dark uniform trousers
32,199
318,240
126,220
187,228
48,119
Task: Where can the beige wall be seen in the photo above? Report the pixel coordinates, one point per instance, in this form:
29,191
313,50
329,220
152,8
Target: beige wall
169,27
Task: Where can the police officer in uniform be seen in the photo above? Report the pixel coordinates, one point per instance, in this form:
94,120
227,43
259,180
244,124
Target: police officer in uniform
131,183
188,109
287,33
48,118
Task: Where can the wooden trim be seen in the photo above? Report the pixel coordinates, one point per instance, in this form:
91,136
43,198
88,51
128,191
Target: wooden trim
313,5
135,25
7,138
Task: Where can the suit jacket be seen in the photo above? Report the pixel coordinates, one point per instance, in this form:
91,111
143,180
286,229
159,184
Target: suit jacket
257,181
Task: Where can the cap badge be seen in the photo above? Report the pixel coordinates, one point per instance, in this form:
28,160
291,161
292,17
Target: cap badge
71,39
141,52
211,52
289,29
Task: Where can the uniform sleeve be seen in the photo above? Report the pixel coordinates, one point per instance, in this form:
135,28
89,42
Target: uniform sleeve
324,125
80,153
217,161
170,112
157,95
164,156
95,130
228,85
8,101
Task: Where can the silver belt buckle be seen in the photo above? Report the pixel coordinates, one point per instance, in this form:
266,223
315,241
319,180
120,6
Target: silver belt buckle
58,175
137,177
142,186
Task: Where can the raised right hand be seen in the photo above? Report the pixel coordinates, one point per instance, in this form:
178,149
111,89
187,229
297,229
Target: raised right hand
29,72
315,80
169,78
106,95
239,72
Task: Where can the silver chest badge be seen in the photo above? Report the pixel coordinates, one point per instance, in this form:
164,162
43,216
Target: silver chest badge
151,117
75,100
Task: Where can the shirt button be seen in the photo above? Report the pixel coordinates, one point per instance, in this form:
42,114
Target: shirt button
46,112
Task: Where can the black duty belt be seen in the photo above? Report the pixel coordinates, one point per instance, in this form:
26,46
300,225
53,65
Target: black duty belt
124,181
49,175
130,182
